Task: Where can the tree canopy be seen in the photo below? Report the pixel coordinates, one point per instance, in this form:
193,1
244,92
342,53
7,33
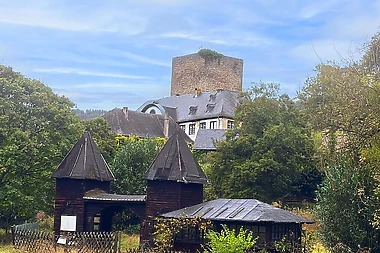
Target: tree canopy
266,154
37,129
342,103
132,161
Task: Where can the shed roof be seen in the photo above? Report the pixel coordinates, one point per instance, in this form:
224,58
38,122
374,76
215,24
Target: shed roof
206,138
84,161
145,125
175,162
207,104
244,210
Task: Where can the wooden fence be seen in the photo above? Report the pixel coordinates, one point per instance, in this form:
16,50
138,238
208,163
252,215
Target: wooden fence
33,240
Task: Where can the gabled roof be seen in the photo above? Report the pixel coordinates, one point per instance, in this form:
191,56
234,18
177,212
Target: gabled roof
205,105
84,161
244,210
175,162
206,138
145,125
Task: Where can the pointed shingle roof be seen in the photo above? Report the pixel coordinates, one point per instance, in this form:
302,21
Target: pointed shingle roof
84,161
175,162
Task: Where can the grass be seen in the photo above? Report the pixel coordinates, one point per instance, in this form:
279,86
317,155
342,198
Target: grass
129,241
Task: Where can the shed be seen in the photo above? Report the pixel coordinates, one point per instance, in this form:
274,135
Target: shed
267,222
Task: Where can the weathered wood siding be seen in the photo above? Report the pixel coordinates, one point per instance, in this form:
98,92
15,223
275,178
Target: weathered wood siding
69,194
167,196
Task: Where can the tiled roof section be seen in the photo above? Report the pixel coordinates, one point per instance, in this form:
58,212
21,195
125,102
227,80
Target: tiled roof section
246,210
209,105
84,161
145,125
206,138
175,162
116,197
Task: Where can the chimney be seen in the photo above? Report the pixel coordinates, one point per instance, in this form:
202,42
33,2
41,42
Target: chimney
166,126
197,91
125,111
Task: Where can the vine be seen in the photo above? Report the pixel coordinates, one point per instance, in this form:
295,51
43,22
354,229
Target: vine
166,229
210,55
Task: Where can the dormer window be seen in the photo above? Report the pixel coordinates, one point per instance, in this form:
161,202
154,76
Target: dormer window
212,98
210,107
193,109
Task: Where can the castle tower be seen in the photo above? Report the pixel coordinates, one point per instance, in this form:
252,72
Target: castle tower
174,180
206,70
83,169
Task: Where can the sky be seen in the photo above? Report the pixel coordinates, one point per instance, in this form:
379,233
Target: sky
103,54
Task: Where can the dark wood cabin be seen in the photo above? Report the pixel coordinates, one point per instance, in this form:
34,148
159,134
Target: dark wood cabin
267,222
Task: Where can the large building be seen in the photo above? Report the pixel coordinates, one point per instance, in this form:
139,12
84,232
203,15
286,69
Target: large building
199,110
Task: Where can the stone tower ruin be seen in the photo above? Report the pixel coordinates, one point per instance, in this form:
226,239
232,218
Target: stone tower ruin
206,70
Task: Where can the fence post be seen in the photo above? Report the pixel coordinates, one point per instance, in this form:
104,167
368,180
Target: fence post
13,236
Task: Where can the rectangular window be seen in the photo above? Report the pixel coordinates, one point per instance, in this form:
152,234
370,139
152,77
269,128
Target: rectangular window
183,127
202,125
230,124
191,129
213,124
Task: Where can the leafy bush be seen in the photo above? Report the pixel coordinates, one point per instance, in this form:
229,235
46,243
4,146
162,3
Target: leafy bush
228,241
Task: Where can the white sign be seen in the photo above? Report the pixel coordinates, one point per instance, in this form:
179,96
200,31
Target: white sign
68,223
61,240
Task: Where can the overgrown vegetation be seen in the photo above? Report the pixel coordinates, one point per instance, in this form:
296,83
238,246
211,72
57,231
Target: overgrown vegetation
166,229
210,55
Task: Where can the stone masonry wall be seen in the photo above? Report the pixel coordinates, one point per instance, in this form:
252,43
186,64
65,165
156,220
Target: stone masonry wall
192,71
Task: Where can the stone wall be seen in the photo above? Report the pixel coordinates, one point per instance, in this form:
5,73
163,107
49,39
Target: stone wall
192,71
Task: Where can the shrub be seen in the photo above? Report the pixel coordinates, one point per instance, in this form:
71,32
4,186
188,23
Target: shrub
228,241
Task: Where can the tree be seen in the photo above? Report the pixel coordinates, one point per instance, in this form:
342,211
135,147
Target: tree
131,162
342,103
264,156
345,207
37,129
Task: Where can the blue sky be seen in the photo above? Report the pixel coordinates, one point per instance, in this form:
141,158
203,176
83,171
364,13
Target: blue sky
113,53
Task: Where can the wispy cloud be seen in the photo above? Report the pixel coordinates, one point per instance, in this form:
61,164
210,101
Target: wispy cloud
117,86
64,16
143,59
88,73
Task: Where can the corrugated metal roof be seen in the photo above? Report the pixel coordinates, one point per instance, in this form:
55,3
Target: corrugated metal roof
245,210
84,161
206,138
209,105
116,197
175,162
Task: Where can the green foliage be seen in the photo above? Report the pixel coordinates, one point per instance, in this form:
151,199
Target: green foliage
345,205
132,161
269,153
228,241
342,103
209,55
37,129
166,229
